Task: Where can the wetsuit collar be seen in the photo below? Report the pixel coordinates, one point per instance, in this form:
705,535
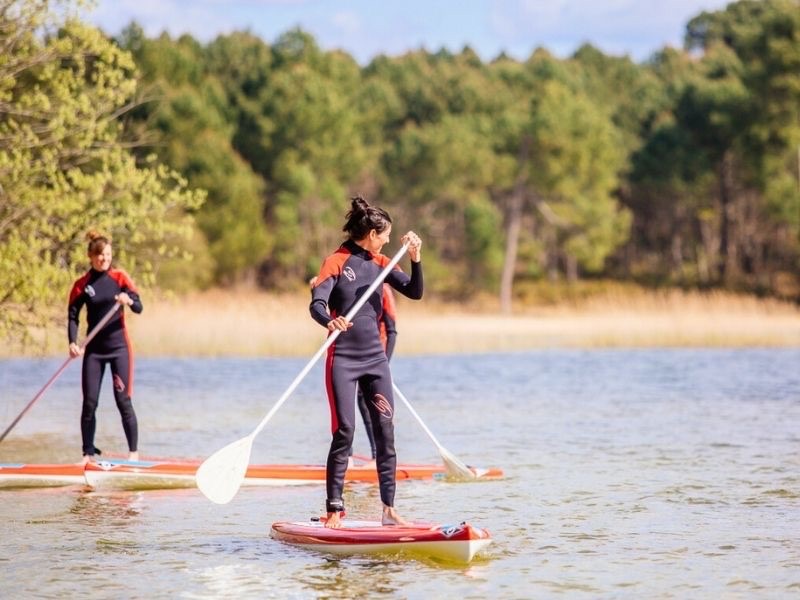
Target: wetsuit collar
356,249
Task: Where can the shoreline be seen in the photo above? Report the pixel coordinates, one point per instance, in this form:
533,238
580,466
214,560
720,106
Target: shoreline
248,323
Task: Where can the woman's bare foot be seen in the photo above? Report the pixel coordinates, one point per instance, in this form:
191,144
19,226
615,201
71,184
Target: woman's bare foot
133,456
390,517
87,458
334,520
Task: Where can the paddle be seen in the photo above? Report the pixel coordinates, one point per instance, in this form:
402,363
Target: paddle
220,476
50,381
455,468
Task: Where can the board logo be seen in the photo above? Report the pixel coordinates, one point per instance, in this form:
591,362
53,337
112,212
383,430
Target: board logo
449,531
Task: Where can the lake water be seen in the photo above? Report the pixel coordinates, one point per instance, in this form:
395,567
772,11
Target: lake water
629,474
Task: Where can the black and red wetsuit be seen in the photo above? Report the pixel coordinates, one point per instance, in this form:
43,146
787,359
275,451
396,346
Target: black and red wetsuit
97,291
358,359
388,332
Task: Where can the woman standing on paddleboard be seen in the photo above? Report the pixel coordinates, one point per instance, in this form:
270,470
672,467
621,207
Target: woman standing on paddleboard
99,289
358,358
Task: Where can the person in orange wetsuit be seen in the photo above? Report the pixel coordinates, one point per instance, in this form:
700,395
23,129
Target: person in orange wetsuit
357,359
98,289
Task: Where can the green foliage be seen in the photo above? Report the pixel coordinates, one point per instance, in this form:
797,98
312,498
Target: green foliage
683,168
64,165
576,157
484,250
192,118
716,185
315,151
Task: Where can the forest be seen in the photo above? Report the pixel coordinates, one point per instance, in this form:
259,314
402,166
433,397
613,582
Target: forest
213,165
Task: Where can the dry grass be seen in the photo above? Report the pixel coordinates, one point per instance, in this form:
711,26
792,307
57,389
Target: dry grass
646,319
249,323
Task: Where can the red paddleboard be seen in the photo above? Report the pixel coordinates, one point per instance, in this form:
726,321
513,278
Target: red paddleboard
14,475
456,543
118,473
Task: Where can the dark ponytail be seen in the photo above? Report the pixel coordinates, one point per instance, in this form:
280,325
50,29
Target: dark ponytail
363,218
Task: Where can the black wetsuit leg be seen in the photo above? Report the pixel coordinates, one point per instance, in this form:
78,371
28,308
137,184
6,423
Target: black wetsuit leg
91,377
367,419
341,384
120,371
377,387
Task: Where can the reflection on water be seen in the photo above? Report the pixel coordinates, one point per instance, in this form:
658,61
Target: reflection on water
115,509
630,474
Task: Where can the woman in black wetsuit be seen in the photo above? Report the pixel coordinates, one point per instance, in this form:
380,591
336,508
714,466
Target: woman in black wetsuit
98,290
357,358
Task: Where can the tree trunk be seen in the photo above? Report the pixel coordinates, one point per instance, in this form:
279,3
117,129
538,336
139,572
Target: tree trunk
571,267
728,264
514,218
513,227
706,251
676,243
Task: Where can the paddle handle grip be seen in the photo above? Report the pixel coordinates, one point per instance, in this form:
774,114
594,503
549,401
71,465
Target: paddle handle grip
55,375
332,337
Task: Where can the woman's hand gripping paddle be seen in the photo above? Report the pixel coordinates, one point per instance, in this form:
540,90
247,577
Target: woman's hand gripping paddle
454,467
50,381
220,476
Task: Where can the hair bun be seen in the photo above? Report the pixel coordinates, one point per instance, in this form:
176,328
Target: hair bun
359,204
93,235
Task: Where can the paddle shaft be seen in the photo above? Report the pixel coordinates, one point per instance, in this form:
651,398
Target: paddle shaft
331,338
454,465
55,376
417,417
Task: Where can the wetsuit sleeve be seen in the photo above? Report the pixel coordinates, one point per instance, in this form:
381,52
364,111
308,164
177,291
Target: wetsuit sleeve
388,321
126,285
76,301
320,294
411,287
137,306
391,334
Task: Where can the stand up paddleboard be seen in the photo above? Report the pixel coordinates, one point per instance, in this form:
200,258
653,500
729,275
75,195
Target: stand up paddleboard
456,543
157,473
144,474
21,475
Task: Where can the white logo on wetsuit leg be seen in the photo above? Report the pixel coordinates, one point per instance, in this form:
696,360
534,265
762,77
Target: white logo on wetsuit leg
349,273
90,291
383,406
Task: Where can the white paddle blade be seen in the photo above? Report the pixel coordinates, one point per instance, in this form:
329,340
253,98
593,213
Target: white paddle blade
221,474
455,468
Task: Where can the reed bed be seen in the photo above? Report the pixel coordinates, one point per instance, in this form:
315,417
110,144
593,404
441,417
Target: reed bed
251,323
